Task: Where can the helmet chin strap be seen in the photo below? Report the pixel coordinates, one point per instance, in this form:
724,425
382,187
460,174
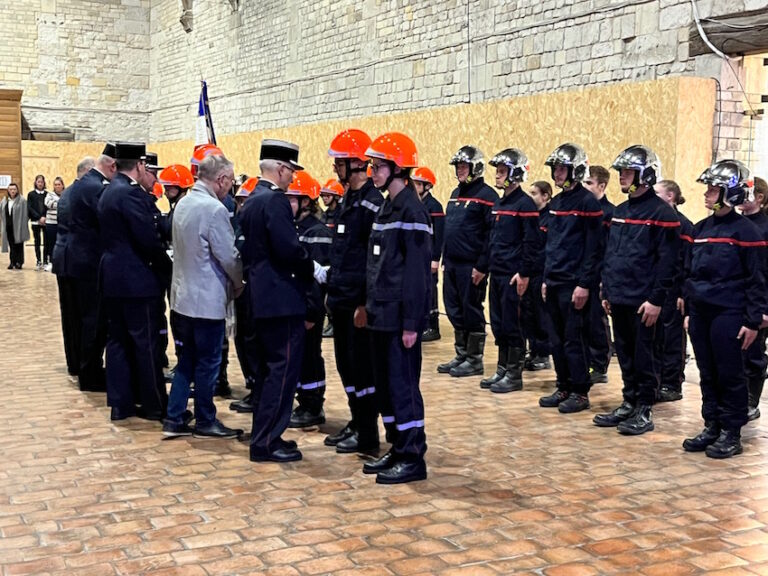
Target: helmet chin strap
567,183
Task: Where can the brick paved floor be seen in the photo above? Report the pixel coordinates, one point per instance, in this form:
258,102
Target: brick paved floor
512,488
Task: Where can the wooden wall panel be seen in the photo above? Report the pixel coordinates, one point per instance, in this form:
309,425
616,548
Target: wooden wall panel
10,135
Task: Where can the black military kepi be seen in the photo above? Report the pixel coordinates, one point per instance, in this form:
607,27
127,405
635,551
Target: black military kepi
150,158
281,150
109,150
130,151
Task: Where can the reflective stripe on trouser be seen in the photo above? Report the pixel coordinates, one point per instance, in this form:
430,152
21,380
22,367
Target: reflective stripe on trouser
397,373
568,340
462,299
724,395
636,352
277,344
311,390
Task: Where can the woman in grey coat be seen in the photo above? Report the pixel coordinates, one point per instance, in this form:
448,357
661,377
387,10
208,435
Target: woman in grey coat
13,225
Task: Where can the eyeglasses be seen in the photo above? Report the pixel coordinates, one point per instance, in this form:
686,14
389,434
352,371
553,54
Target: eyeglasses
377,167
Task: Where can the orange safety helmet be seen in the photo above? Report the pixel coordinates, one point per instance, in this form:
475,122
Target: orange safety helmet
333,187
394,147
304,185
350,143
247,187
176,175
157,190
202,151
424,174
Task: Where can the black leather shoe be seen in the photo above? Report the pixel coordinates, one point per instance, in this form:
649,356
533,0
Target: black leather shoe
486,383
450,365
753,413
122,413
430,335
351,445
242,406
403,472
290,444
597,377
614,417
640,422
668,394
280,455
574,403
467,368
728,444
328,331
169,374
343,434
217,430
554,399
174,430
538,363
699,443
384,463
301,418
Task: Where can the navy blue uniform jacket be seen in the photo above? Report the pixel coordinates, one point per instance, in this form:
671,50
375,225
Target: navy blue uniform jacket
725,267
515,238
641,261
574,238
316,238
399,254
538,268
346,277
686,241
83,241
133,251
468,223
437,218
63,216
276,267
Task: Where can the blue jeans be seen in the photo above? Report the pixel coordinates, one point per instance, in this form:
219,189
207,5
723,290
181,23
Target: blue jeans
198,344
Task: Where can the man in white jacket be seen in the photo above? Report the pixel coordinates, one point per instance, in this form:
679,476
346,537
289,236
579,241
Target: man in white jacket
207,272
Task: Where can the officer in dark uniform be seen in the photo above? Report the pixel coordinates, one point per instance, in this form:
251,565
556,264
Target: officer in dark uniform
726,304
639,271
573,253
278,272
346,294
132,288
398,293
424,181
514,247
599,331
468,223
316,238
671,345
84,250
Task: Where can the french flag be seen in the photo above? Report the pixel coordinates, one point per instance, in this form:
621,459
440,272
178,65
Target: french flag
204,133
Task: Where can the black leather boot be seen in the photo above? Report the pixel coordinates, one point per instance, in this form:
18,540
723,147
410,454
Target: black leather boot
501,369
403,472
343,434
460,345
513,376
384,463
727,444
615,417
243,406
640,422
304,418
703,439
473,363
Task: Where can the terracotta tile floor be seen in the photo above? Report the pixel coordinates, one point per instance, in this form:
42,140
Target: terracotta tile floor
512,489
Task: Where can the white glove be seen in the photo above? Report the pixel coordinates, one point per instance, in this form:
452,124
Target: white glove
320,273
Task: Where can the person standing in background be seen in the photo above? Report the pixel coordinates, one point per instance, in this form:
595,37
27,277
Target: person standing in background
51,220
13,225
36,210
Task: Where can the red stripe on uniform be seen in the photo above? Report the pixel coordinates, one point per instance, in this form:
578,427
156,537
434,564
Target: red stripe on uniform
732,242
478,200
436,214
661,223
686,237
516,213
543,228
597,214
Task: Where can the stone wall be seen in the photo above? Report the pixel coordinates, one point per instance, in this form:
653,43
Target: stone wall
83,65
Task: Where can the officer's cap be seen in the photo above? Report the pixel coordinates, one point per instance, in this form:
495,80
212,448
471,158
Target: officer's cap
151,160
109,150
282,151
130,151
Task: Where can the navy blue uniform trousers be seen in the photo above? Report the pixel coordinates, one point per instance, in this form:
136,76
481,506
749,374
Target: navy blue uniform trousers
598,333
535,319
311,392
636,351
671,346
568,339
463,300
505,312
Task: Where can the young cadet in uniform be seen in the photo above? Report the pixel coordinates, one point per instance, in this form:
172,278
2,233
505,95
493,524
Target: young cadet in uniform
726,305
331,194
672,343
468,224
640,269
423,181
755,361
132,288
84,252
599,332
346,292
278,272
316,238
573,252
534,314
514,250
398,294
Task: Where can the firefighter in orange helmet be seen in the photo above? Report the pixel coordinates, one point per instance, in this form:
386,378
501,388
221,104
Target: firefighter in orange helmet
332,194
424,181
346,292
398,294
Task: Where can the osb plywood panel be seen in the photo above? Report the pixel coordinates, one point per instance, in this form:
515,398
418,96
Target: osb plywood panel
53,159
